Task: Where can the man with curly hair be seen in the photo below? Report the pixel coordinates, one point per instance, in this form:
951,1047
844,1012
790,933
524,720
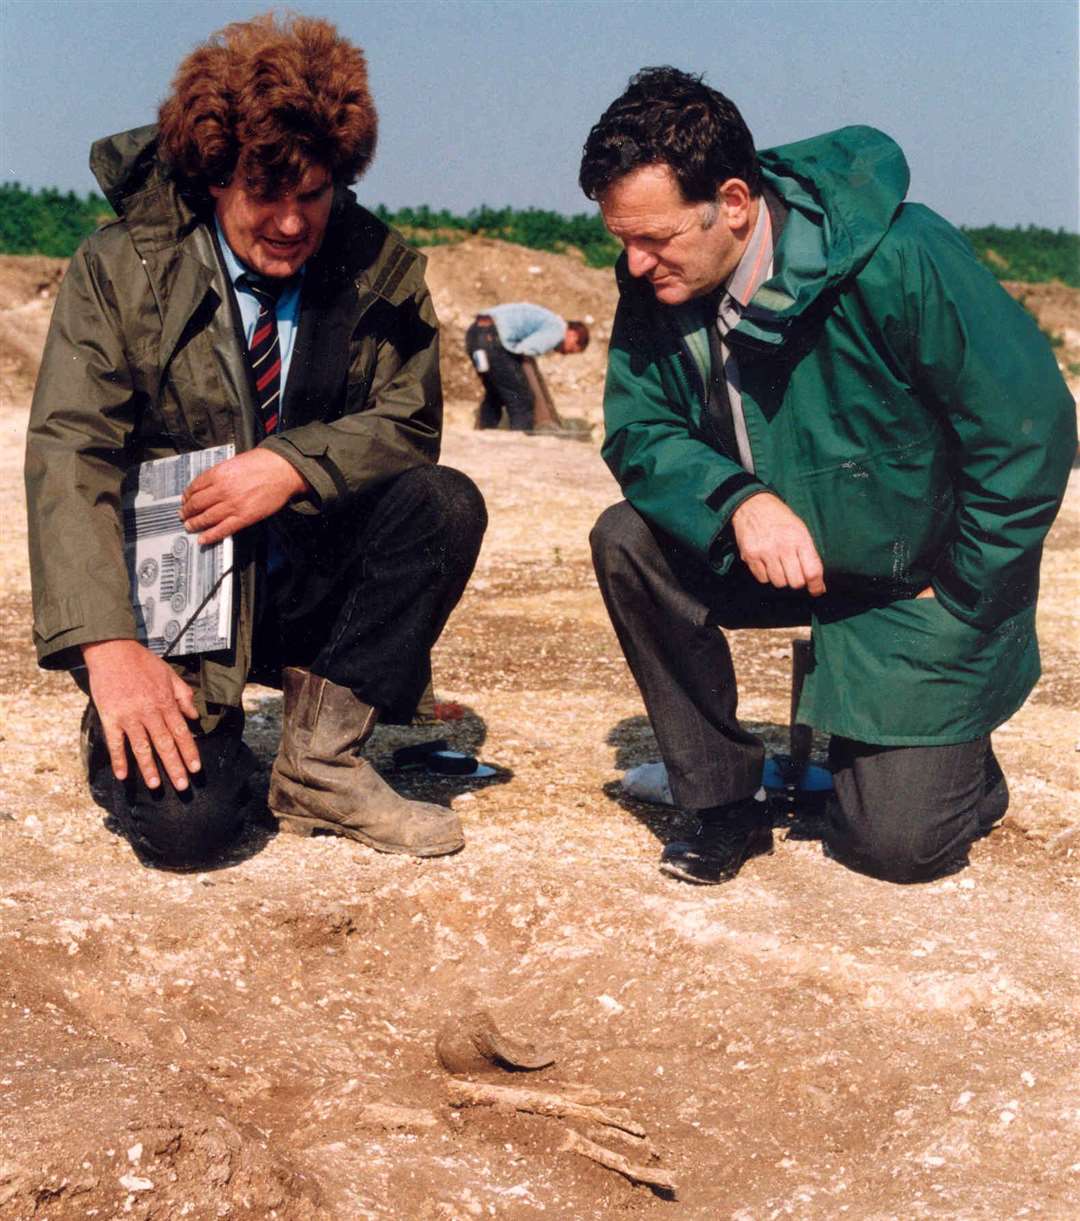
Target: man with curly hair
243,296
822,409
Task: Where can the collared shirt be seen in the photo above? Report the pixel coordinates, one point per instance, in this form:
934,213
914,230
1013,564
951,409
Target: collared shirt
288,306
526,329
288,319
755,267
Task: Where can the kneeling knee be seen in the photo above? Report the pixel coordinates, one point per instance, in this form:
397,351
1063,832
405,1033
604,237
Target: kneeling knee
901,854
182,829
456,501
614,534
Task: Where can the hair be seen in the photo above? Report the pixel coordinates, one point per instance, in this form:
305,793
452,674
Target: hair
266,101
668,117
580,330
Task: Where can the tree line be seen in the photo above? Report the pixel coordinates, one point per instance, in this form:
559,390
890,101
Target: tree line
52,222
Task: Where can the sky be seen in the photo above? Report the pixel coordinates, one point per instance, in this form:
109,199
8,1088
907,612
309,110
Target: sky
489,101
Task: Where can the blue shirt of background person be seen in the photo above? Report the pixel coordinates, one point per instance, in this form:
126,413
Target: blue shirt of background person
526,329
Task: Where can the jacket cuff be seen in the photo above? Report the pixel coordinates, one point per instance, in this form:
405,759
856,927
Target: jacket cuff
312,462
57,640
727,497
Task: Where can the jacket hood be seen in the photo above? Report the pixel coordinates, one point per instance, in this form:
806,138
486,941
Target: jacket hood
842,191
127,164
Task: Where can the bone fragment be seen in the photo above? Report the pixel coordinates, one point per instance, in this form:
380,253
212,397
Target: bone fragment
538,1102
638,1143
652,1176
588,1094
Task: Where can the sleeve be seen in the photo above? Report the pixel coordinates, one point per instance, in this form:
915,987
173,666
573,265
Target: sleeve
80,421
666,468
1010,421
539,332
392,422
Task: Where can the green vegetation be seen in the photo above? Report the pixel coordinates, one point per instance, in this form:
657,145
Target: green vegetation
52,223
1031,254
49,222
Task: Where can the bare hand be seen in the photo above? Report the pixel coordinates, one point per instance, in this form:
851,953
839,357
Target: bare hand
140,699
238,493
776,546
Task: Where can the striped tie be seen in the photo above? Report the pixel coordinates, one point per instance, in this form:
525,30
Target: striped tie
264,351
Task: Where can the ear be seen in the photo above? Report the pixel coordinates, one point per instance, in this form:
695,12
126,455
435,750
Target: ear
734,199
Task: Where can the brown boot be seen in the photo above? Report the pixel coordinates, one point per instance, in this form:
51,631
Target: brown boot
320,780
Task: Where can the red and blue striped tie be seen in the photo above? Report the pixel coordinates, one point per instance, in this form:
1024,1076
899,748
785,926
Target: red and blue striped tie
264,351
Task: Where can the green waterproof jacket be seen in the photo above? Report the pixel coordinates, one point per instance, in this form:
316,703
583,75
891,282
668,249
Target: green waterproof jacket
145,359
904,406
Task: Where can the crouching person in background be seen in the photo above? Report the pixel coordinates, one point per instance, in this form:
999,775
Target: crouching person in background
503,343
243,296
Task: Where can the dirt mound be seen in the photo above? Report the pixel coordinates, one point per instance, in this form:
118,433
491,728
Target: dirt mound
24,278
1056,307
27,291
465,278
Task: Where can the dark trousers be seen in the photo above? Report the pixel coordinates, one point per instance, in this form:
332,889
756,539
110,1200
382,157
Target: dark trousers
364,611
505,384
902,813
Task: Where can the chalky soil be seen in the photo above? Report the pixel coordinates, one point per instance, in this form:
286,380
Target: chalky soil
259,1040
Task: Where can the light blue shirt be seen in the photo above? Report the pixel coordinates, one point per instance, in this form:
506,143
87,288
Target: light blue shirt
288,307
526,329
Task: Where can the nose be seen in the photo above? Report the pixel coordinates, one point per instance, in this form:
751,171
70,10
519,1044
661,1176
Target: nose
289,219
639,262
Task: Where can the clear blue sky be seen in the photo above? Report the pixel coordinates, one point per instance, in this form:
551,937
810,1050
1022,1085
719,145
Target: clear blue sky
489,101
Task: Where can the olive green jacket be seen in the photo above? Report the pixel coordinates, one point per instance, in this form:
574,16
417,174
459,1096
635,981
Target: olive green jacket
145,359
904,406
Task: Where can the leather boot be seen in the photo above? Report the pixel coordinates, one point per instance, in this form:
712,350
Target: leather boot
320,780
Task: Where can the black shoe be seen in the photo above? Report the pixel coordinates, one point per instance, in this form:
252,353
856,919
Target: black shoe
726,837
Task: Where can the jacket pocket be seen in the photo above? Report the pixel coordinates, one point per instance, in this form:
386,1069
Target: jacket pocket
881,519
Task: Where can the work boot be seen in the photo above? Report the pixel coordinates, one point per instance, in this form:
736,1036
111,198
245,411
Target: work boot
727,836
320,780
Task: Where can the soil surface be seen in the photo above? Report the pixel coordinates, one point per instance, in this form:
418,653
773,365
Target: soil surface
258,1040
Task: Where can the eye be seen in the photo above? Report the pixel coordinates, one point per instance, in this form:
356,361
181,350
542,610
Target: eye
316,195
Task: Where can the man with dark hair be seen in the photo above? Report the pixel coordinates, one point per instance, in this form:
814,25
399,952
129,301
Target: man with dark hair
821,409
503,343
243,296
